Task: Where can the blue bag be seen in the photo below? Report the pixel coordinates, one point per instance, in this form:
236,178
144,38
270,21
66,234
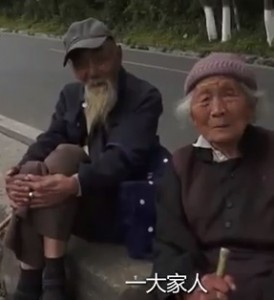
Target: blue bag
137,208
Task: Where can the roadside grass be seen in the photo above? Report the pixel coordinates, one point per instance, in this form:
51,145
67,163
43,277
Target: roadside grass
144,36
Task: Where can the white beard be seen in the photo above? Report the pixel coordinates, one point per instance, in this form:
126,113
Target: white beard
100,99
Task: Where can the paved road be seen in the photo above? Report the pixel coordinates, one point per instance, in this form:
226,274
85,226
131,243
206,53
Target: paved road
31,76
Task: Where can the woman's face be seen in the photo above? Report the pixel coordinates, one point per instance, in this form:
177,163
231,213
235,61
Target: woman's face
220,109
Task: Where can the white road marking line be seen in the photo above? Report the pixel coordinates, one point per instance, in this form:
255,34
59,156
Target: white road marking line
137,64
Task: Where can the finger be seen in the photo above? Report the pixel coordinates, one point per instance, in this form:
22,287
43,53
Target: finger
35,178
38,186
18,188
19,199
8,177
19,195
230,281
19,177
220,296
12,171
22,177
13,205
9,173
213,282
213,295
38,196
17,185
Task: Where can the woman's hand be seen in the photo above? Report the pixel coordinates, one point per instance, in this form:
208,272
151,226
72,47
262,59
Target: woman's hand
217,288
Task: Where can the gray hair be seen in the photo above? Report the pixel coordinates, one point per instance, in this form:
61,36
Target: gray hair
256,98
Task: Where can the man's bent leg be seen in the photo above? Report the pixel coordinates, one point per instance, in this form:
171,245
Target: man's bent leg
50,227
55,224
27,245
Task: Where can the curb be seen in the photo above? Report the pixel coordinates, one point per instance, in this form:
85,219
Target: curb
18,131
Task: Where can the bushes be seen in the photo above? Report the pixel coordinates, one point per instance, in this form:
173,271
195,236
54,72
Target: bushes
125,14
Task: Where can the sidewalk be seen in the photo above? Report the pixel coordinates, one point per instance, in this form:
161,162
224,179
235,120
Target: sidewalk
10,153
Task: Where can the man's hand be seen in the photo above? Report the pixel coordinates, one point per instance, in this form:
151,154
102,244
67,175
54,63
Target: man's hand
217,288
50,190
15,187
12,171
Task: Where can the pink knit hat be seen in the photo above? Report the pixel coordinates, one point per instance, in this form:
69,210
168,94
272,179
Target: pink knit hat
220,64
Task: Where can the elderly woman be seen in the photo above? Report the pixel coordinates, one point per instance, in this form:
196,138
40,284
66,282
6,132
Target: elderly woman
219,191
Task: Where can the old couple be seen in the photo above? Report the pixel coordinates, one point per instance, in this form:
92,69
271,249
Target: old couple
217,192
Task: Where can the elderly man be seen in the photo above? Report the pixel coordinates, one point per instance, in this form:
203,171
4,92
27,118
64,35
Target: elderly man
102,133
217,193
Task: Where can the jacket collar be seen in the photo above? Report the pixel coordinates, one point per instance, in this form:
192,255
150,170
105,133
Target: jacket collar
217,155
252,145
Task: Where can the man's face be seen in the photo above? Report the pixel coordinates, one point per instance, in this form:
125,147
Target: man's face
98,71
97,66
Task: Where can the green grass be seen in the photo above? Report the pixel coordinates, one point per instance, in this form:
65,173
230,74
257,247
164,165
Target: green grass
243,42
144,36
53,27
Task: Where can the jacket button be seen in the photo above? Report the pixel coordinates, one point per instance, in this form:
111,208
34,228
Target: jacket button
228,224
229,204
142,201
150,229
151,182
165,160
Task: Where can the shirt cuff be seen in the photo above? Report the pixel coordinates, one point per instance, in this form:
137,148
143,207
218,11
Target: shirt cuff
79,194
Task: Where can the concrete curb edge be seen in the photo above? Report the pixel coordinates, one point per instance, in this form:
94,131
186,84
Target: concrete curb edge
18,131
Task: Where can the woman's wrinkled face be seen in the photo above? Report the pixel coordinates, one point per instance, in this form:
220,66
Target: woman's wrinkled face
220,109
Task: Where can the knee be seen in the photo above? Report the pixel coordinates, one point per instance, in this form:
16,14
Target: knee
65,159
34,167
67,148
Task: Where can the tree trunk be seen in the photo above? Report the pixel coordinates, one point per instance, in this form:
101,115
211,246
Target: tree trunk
269,20
210,20
226,23
236,15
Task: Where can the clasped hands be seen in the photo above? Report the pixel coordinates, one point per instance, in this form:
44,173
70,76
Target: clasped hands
36,191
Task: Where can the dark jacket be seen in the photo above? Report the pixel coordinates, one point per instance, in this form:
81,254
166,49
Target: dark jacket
118,153
204,205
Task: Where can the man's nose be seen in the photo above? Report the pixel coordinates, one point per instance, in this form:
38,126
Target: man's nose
89,72
93,71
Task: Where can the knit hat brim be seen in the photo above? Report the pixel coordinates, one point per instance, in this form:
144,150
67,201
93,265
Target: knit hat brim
222,64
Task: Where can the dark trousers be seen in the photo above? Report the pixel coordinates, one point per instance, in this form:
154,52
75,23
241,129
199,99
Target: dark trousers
92,218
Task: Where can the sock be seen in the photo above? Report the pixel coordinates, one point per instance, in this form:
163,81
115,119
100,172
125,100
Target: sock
54,279
29,286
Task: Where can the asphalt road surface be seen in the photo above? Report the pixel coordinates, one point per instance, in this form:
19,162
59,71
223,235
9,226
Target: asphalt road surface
32,75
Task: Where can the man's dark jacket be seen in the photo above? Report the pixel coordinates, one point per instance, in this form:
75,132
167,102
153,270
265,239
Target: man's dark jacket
118,153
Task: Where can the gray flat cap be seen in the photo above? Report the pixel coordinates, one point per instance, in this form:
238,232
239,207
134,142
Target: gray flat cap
87,34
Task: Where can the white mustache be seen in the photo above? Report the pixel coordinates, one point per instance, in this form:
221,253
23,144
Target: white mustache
96,82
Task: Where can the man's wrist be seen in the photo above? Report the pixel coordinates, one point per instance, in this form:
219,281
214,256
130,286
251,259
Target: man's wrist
76,186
